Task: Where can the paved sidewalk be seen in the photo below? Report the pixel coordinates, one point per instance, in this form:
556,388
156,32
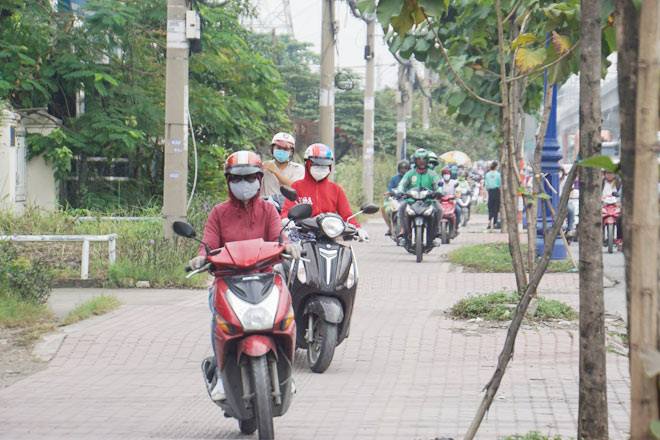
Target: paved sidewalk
406,372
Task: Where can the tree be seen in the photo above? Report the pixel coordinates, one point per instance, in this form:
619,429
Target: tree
592,414
115,53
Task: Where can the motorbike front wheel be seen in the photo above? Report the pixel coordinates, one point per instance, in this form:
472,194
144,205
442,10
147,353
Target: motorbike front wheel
610,238
263,402
419,245
247,426
445,232
322,347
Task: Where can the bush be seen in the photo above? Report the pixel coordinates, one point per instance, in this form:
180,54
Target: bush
21,278
349,177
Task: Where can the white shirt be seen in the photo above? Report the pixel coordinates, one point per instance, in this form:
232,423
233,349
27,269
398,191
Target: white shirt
270,185
608,188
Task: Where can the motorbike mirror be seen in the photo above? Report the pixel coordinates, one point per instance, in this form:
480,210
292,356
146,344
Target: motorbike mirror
301,211
615,193
184,229
369,208
289,193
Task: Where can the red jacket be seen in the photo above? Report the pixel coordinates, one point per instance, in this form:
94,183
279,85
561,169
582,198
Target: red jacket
324,196
232,221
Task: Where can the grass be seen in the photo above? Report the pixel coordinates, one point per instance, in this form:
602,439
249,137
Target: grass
495,257
97,306
349,177
20,313
142,251
501,306
532,435
481,208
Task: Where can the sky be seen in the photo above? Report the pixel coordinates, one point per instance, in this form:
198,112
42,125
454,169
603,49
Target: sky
352,36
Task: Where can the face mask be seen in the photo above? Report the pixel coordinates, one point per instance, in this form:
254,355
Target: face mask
281,155
446,177
245,190
319,172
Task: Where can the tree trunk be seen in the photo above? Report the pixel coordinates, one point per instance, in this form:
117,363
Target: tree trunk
627,40
592,412
644,224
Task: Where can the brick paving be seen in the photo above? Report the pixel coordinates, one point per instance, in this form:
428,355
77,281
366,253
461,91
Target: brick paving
406,372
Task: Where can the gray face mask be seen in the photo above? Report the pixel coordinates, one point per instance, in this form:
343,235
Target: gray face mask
245,190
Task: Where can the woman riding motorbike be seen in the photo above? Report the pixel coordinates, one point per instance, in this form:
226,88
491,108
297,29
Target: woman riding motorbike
243,217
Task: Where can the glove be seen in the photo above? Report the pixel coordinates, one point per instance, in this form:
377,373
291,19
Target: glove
362,235
294,249
197,262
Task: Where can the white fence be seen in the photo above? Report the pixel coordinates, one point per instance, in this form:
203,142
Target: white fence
84,266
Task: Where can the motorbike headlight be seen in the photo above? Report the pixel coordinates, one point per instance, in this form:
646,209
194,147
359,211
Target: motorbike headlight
409,210
395,205
260,316
350,280
332,226
301,273
429,210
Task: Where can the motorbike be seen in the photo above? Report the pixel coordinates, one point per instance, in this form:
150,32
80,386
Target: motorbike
609,213
464,203
277,200
395,204
253,329
448,218
323,285
419,214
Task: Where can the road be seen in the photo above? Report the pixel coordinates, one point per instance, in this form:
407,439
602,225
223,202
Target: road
407,370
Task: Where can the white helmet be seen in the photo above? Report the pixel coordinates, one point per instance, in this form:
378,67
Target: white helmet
283,140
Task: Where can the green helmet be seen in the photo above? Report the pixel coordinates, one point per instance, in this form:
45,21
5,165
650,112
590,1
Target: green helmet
421,153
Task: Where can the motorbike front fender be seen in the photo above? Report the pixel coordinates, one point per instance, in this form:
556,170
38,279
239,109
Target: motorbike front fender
419,221
327,308
256,345
608,220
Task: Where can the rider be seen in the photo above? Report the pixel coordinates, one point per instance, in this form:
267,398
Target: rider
402,168
420,177
318,191
281,170
449,188
243,217
433,160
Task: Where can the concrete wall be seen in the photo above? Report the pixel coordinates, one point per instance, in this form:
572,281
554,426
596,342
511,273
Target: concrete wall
10,193
42,188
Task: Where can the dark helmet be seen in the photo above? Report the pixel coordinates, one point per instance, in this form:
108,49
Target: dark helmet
403,165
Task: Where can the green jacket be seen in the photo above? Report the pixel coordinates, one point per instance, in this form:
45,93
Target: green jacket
412,178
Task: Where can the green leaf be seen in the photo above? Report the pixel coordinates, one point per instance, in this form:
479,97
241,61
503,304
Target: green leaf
466,107
386,9
403,22
396,44
610,38
457,98
523,40
366,6
434,8
606,9
527,59
601,162
561,43
655,428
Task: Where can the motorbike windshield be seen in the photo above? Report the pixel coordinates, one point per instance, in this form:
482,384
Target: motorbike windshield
251,287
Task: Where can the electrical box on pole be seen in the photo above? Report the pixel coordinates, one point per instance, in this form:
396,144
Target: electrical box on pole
193,25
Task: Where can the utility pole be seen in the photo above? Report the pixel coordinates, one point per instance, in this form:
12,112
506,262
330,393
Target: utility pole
410,78
401,97
369,106
176,118
426,103
327,86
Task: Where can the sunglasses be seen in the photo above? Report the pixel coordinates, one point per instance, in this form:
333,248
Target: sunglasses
233,178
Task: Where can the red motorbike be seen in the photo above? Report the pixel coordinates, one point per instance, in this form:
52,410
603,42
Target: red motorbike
610,213
253,329
448,218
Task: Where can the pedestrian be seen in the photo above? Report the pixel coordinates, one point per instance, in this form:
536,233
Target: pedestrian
493,183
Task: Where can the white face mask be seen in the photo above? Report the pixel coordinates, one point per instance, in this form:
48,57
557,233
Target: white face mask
319,172
446,177
245,190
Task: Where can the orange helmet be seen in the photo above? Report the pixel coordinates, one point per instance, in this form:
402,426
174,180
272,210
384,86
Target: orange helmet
242,163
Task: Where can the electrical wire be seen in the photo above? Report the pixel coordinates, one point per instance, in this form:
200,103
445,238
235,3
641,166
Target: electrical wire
192,132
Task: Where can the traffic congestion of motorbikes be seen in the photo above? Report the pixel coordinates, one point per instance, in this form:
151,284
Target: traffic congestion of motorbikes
285,275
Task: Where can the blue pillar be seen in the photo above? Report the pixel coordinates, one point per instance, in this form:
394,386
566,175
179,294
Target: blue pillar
550,166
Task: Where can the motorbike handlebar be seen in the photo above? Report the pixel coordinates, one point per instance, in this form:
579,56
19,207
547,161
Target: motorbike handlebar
188,268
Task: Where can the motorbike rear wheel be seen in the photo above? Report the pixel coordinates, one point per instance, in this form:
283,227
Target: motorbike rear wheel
610,238
445,232
263,402
322,348
419,245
